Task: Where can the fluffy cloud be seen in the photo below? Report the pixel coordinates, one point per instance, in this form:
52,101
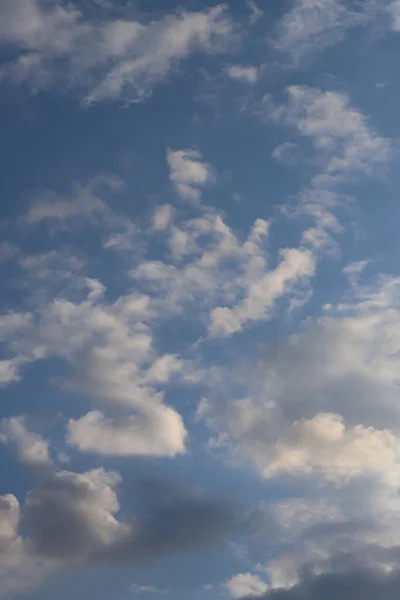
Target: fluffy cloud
32,449
344,364
323,444
75,516
244,585
347,584
9,523
111,356
346,143
103,59
188,173
156,432
245,73
72,515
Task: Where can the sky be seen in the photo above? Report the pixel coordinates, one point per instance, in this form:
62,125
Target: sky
200,315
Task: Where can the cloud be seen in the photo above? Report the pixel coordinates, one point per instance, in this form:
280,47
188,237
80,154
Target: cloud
357,584
346,143
162,217
9,523
111,357
188,173
330,400
84,203
244,585
229,278
171,520
156,432
346,148
72,515
103,59
255,12
244,73
135,588
262,293
394,11
312,25
75,516
32,449
324,445
9,370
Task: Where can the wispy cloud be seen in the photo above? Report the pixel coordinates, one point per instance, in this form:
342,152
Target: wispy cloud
104,59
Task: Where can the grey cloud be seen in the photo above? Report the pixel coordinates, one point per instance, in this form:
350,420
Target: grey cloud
75,516
352,585
174,520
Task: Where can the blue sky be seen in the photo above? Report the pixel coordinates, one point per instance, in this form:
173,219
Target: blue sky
199,319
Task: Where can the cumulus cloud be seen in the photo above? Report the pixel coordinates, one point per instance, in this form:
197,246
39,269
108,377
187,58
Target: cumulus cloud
188,173
111,356
32,449
347,584
330,395
103,59
72,515
244,585
159,432
323,444
245,73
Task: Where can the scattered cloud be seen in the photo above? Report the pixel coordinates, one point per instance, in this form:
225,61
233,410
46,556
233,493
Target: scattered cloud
245,585
156,432
104,59
135,588
189,173
244,73
32,449
312,25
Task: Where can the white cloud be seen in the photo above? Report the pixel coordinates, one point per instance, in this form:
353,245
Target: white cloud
9,370
324,445
262,293
32,449
245,584
345,142
188,172
162,217
135,588
245,73
346,148
312,25
111,356
329,406
104,59
224,275
156,432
